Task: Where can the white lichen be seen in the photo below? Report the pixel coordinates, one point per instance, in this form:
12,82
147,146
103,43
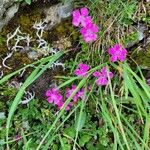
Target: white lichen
19,41
28,97
1,74
22,72
15,84
39,26
57,63
11,36
4,60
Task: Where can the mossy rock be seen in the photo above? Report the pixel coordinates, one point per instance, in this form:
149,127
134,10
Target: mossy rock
143,57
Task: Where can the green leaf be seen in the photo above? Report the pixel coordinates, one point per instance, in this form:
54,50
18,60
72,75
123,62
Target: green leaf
2,115
67,147
84,139
28,1
100,146
2,142
70,132
27,145
80,121
64,144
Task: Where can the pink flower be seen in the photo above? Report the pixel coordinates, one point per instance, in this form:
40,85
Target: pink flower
89,29
97,74
102,76
82,70
54,96
102,81
18,137
69,106
70,91
60,105
89,32
81,16
79,94
89,87
148,81
117,53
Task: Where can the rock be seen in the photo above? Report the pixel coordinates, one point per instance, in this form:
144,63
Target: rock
52,17
33,55
8,8
142,56
55,14
63,43
141,31
64,11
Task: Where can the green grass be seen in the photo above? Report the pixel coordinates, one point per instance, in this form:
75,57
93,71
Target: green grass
32,77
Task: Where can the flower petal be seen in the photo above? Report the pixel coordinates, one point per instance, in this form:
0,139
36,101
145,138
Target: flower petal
84,11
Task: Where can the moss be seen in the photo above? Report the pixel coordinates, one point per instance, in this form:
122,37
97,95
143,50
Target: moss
143,57
2,40
132,37
64,29
5,94
3,50
25,18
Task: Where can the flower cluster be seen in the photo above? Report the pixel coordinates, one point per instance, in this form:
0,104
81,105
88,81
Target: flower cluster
102,75
54,96
117,53
88,28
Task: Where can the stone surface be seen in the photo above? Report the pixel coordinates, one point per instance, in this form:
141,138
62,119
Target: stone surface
141,31
8,8
65,10
55,14
142,56
63,43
